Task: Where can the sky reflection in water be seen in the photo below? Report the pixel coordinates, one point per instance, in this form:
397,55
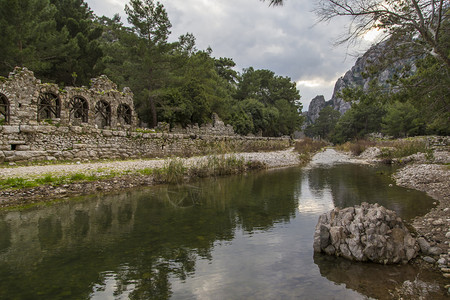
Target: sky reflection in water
240,237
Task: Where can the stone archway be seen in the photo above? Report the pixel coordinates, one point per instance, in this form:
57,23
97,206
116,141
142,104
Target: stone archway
102,114
49,106
4,109
124,114
78,110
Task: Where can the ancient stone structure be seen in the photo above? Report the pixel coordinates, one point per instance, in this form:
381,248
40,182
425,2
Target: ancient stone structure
365,233
39,121
24,100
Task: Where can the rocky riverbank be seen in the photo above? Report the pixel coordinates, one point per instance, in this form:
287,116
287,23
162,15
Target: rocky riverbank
113,175
434,227
432,176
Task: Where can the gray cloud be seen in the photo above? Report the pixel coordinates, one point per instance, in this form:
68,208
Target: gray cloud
284,39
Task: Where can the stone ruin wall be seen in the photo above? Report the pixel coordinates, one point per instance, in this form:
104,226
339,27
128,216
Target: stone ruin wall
39,121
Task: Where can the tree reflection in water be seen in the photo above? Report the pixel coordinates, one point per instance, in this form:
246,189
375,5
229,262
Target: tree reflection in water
137,244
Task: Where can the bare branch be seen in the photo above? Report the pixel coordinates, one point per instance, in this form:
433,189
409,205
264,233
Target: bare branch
422,20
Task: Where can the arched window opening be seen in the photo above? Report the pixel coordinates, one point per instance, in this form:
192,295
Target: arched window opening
124,114
4,110
102,114
78,109
49,106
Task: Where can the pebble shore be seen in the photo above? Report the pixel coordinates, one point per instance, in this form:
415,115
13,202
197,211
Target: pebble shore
432,178
126,175
434,227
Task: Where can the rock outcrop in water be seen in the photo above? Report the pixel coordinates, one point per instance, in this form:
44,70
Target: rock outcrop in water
368,232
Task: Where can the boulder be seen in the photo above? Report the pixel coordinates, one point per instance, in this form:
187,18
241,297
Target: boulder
368,232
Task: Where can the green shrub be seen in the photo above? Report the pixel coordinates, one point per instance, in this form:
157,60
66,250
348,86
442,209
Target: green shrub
403,148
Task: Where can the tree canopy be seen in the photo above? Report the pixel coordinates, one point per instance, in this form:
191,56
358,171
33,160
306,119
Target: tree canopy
174,82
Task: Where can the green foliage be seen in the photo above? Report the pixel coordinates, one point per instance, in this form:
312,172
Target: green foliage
220,165
363,117
16,183
403,148
266,104
324,126
64,42
172,172
428,92
307,147
52,38
402,120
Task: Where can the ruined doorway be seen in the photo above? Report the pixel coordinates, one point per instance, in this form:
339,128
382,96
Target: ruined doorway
78,110
4,110
102,114
124,114
49,106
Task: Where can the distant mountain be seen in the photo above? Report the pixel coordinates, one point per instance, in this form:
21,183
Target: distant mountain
359,75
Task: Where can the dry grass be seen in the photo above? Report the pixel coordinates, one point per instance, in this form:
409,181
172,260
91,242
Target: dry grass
356,147
307,147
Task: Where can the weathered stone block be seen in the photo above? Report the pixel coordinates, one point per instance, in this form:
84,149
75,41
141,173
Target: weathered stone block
79,146
9,129
27,128
45,129
23,148
76,129
24,155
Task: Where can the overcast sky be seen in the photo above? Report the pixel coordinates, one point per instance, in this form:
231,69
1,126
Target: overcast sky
284,39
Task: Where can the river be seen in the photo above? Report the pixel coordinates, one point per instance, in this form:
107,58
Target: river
240,237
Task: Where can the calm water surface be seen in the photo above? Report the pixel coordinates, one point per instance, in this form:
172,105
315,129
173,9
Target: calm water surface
241,237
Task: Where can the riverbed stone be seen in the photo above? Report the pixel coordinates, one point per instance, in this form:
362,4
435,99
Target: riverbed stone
424,245
435,251
368,232
429,260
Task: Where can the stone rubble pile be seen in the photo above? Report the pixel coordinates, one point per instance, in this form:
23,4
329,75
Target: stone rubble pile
368,232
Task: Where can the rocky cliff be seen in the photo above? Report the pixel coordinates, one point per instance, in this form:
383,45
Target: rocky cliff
360,76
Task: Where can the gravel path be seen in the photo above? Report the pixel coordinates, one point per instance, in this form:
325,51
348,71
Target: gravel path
330,157
271,159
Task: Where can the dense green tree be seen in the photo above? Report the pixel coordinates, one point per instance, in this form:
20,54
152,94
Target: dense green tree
324,126
402,120
148,54
76,17
242,122
266,87
363,117
195,77
428,90
271,101
29,37
224,67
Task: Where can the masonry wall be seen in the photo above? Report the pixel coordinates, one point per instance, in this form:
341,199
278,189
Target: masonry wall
24,100
39,121
49,142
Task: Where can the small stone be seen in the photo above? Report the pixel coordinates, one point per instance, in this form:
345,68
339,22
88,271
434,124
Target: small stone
429,260
438,222
445,270
434,251
447,235
446,275
423,244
